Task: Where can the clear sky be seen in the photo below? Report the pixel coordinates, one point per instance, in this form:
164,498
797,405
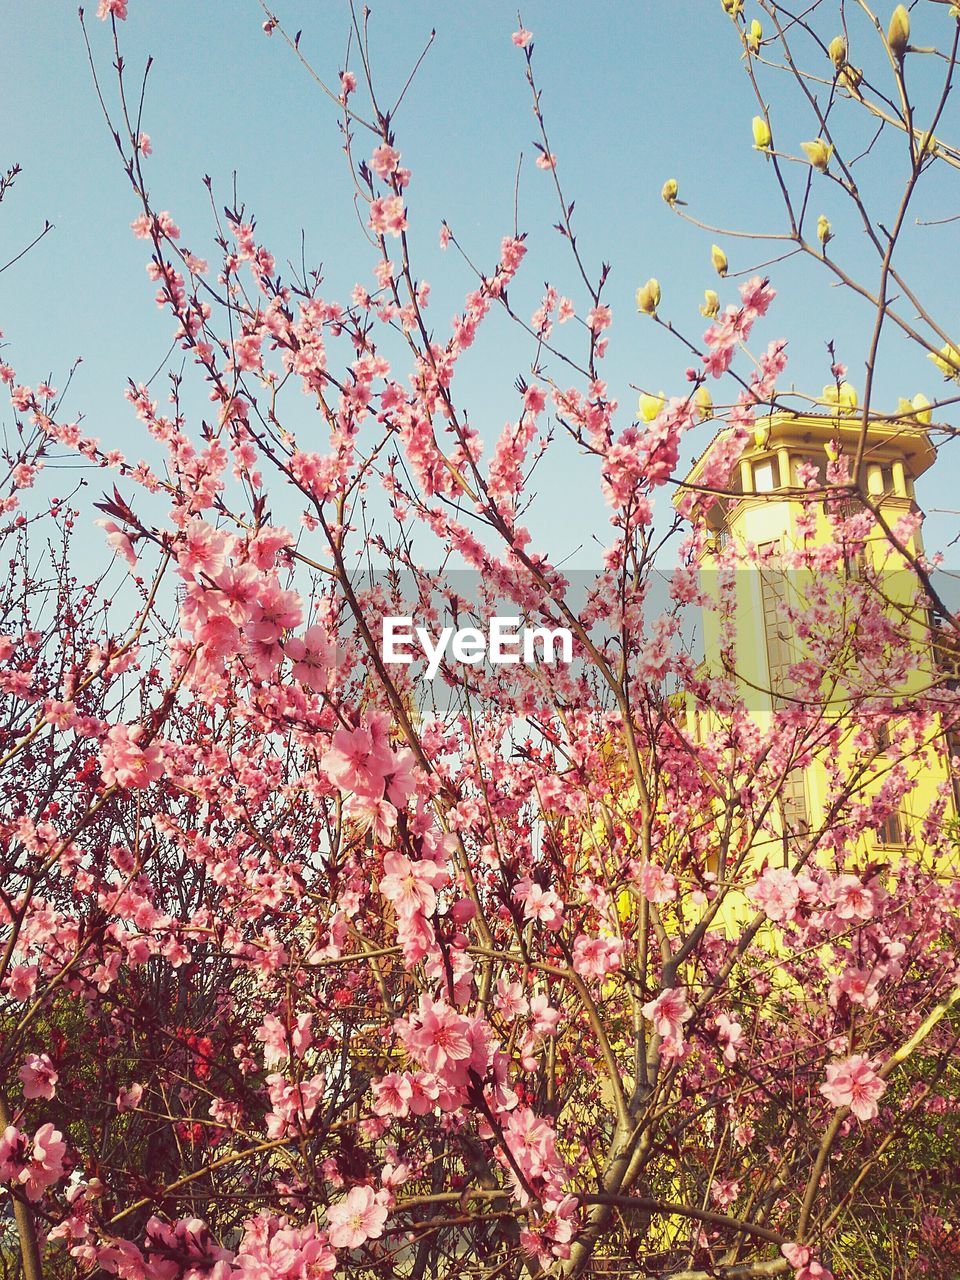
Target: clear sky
633,94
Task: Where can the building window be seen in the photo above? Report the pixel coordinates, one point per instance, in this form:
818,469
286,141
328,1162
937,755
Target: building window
890,831
765,478
793,806
776,624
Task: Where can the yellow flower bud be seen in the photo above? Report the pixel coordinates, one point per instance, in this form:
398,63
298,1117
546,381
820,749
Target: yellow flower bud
648,297
818,153
711,304
850,78
753,36
824,230
947,361
761,134
704,402
844,396
670,190
733,7
651,405
923,410
898,33
837,50
917,408
719,260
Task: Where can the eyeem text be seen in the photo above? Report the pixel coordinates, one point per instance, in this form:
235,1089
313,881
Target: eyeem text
505,641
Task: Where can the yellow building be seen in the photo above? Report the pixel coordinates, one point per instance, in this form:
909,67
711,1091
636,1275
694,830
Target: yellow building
764,514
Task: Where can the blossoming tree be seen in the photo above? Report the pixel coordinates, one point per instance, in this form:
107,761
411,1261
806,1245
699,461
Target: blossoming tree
307,970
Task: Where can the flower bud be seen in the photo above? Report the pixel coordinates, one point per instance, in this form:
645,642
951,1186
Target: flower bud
719,260
898,33
753,36
818,153
824,230
733,7
923,410
843,396
711,304
648,297
850,78
919,408
704,402
947,360
650,405
761,134
837,50
670,190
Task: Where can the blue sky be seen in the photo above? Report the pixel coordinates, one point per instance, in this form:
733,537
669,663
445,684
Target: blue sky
633,94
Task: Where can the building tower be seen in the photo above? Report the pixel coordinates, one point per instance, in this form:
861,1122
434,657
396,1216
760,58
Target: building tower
764,508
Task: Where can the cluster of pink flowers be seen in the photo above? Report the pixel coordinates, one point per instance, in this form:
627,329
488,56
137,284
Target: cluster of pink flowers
32,1163
378,778
853,1082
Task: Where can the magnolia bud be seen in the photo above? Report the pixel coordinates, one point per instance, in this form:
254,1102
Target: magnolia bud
919,408
761,134
837,50
719,259
844,396
711,304
947,360
818,153
824,230
704,402
898,33
648,297
754,36
733,7
651,405
670,190
850,78
923,408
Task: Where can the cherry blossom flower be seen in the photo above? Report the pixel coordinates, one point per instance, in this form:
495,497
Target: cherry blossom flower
853,1082
39,1076
668,1012
359,1217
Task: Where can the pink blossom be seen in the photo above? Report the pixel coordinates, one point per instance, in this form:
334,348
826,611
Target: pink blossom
522,38
359,1217
800,1256
119,541
384,160
112,8
388,215
538,903
124,763
655,884
392,1095
668,1012
599,318
852,900
853,1082
596,957
412,886
439,1036
39,1076
776,893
